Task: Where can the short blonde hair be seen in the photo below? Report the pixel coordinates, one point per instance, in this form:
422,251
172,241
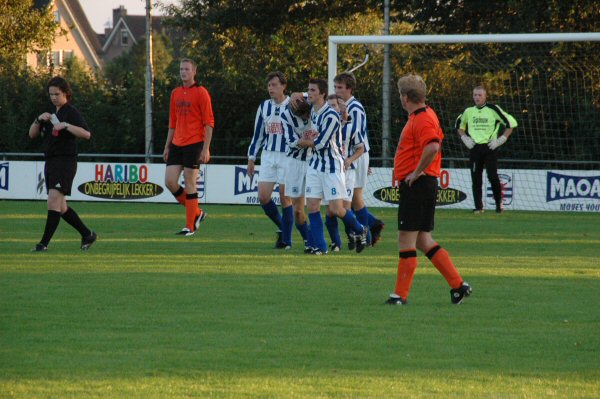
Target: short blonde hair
414,87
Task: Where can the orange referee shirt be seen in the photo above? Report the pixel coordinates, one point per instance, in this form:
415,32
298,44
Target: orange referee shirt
190,111
422,128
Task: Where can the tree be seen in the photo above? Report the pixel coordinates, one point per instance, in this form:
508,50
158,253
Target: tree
23,29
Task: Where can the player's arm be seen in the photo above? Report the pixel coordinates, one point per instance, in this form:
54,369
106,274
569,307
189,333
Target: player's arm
461,125
168,143
205,154
508,121
208,120
172,125
429,153
36,127
288,130
257,140
76,131
331,125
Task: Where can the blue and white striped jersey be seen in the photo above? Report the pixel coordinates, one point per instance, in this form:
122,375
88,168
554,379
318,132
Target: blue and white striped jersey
294,129
268,130
359,119
351,139
326,156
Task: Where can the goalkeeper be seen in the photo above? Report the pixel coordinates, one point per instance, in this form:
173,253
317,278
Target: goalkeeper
483,122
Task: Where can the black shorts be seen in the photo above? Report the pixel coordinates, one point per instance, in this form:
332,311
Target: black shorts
417,204
188,156
59,173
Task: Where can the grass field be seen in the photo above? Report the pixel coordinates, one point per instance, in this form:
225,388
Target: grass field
147,314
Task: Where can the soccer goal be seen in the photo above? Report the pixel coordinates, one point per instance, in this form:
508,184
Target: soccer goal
549,82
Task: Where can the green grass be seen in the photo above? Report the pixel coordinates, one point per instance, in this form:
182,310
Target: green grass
146,314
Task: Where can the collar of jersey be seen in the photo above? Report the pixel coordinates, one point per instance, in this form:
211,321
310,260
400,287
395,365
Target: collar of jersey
483,106
419,110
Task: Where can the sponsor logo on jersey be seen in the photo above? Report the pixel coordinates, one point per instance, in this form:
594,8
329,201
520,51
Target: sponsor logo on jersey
560,187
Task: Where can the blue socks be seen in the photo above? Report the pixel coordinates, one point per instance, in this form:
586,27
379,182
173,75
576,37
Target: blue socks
362,215
316,230
273,213
332,228
287,225
305,233
351,222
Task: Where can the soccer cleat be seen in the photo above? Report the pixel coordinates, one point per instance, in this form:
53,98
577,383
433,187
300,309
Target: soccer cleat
361,240
334,247
477,211
279,244
395,299
39,248
287,248
185,232
199,219
317,251
86,242
457,295
351,242
376,231
499,208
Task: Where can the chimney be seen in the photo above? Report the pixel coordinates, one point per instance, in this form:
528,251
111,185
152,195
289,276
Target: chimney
120,12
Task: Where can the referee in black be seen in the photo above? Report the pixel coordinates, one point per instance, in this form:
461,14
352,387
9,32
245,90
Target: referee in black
59,128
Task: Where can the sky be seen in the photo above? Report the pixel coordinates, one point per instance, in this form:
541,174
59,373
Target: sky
99,12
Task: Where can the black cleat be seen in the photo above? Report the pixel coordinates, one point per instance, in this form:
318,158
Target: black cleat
279,244
334,247
308,250
185,232
376,231
395,299
86,242
317,251
499,208
351,242
457,295
478,211
361,240
39,248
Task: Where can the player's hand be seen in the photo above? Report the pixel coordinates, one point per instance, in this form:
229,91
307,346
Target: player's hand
205,155
44,117
342,105
412,177
250,168
347,163
166,153
467,141
369,171
497,143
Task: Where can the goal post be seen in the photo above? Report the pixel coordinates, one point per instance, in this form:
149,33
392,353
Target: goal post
550,82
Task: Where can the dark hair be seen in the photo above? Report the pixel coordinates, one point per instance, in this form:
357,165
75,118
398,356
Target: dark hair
62,85
346,78
321,84
333,97
301,108
278,75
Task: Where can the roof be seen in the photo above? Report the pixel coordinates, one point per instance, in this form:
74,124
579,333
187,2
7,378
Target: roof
81,18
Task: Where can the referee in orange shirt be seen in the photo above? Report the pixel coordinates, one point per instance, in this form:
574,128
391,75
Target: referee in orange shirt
416,169
191,124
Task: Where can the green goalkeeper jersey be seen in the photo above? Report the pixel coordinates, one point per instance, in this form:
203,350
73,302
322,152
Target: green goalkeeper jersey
483,123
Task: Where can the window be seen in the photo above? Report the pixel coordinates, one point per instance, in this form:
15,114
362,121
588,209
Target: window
57,17
57,58
67,55
124,37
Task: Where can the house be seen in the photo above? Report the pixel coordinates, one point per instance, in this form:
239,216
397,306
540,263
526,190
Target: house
127,31
79,41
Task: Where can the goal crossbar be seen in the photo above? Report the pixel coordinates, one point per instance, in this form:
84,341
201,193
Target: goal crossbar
422,39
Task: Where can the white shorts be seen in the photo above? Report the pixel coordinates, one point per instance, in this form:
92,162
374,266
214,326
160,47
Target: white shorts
272,167
362,168
295,177
350,181
328,186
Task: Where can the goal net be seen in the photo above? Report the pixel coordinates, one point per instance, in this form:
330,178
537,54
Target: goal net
549,83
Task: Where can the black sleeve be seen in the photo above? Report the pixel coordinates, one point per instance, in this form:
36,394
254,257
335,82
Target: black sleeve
75,118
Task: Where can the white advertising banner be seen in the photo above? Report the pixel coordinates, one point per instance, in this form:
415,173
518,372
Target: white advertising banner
543,190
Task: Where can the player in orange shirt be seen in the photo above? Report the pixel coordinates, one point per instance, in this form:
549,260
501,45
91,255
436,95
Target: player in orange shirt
416,169
191,124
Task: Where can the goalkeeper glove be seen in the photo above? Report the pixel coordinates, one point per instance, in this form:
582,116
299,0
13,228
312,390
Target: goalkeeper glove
497,143
468,141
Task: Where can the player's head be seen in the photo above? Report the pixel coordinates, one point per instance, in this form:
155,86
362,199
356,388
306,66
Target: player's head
333,100
187,70
412,89
479,95
59,91
345,84
300,108
317,90
276,84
